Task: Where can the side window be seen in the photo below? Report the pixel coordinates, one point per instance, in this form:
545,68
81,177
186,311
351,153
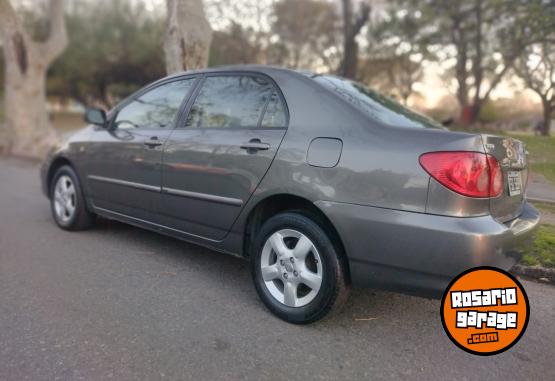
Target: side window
230,101
275,113
156,108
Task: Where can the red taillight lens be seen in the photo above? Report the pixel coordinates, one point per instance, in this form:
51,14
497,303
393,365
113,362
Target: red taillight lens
471,174
496,177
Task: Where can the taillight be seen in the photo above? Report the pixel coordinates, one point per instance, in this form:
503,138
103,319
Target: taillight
496,177
471,174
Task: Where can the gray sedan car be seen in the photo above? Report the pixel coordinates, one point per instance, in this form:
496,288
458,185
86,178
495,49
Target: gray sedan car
319,181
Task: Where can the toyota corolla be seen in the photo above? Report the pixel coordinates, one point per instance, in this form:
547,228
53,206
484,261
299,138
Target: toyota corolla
320,182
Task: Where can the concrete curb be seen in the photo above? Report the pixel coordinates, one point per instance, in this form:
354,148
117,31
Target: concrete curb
26,159
543,274
537,199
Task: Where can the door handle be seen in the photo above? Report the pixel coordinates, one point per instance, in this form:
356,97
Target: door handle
255,145
153,142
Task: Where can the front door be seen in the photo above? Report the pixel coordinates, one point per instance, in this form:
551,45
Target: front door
123,171
216,159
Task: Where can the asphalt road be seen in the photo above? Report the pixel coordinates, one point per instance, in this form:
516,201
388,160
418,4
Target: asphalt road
117,302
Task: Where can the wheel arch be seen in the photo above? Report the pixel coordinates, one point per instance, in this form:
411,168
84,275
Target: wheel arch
283,202
56,164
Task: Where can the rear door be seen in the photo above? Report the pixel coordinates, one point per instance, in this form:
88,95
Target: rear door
215,159
511,154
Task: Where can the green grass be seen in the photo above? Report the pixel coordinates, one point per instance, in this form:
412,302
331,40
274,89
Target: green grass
545,169
542,154
542,250
545,207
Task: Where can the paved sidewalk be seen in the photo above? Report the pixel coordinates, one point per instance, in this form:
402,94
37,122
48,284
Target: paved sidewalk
541,191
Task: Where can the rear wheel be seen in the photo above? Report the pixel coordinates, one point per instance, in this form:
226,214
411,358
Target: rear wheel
297,270
67,202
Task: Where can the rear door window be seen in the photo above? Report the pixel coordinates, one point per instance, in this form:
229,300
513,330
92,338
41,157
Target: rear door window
236,101
275,113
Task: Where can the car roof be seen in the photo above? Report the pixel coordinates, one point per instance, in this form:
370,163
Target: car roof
266,69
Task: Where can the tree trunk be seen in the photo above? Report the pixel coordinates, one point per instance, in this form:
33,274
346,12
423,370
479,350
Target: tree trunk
350,59
475,110
547,112
27,130
477,66
351,29
458,38
188,36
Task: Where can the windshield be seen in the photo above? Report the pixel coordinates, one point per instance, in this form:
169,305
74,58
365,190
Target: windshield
377,106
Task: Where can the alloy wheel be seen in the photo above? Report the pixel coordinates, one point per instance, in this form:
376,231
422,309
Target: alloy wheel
64,199
291,268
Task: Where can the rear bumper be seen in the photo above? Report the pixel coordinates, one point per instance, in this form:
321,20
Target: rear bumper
420,253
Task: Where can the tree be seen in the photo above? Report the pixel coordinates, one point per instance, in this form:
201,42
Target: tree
27,129
486,37
537,68
536,64
397,47
233,47
188,36
308,30
394,74
115,48
351,28
253,33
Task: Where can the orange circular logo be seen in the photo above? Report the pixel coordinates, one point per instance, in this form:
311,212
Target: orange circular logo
485,311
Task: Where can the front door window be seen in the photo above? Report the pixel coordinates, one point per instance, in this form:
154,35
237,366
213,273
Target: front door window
156,108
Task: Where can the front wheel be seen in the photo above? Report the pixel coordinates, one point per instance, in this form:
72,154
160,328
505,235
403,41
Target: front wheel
297,270
67,201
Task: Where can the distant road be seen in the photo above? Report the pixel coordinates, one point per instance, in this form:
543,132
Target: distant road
121,303
544,192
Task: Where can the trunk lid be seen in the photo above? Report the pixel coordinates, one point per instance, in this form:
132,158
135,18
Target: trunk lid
511,154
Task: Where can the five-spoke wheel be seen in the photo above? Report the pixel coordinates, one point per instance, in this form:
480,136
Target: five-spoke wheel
297,269
64,198
67,202
291,268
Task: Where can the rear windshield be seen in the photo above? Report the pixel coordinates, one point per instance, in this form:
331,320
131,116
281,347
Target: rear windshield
377,106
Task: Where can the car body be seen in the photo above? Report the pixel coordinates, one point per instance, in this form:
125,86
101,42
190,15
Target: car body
353,160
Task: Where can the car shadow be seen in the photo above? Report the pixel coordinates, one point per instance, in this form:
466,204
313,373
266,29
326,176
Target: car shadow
364,306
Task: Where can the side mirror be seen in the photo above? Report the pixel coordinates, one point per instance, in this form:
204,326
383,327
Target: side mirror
96,116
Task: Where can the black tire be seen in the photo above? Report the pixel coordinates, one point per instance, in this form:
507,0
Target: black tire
82,218
334,287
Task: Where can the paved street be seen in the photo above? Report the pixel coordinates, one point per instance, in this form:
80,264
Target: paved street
117,302
540,189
